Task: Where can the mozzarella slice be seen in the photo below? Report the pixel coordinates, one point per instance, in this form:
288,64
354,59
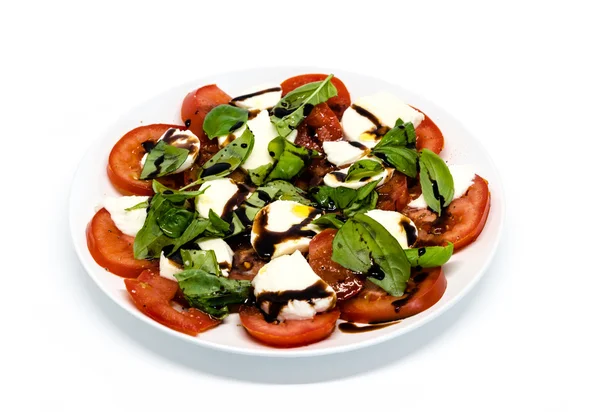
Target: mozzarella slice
291,277
222,251
336,179
283,227
400,227
128,222
217,195
342,153
384,110
183,139
168,268
462,175
264,132
262,97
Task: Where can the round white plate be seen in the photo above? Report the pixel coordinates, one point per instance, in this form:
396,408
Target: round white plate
91,185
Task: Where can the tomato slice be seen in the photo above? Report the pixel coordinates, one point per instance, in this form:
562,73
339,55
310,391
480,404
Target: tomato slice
337,103
460,223
344,282
291,333
124,162
374,305
152,294
393,194
429,136
320,125
112,249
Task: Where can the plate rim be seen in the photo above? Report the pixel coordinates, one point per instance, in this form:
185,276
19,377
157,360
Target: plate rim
267,351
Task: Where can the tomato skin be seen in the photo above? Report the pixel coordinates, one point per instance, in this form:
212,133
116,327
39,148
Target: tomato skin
291,333
152,295
460,223
124,162
393,194
429,136
337,103
321,125
344,282
112,249
374,305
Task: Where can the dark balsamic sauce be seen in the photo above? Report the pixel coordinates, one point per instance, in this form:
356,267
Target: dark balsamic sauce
376,272
421,251
236,126
339,176
378,129
181,140
349,327
277,300
215,169
237,199
281,112
148,145
358,145
258,93
411,234
188,123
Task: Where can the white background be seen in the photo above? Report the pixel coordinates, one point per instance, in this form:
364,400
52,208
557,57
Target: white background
523,77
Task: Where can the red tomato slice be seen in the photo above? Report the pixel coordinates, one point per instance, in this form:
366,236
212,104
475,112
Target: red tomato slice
344,282
337,103
152,294
320,125
112,249
374,305
460,223
124,161
429,136
393,194
291,333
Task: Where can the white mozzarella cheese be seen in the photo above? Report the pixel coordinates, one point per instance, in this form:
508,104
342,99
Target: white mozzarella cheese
292,273
386,108
399,226
264,132
283,227
222,251
184,139
216,196
168,268
128,222
262,97
341,152
336,178
462,175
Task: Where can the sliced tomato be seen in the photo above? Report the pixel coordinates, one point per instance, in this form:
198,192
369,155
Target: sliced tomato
460,223
429,136
344,282
337,103
374,305
321,125
152,294
291,333
314,173
393,194
125,161
112,249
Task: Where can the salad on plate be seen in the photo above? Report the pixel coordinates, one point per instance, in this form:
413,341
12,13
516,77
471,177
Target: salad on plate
293,205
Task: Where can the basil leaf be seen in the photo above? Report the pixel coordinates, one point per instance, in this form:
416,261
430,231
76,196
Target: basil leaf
349,201
217,225
226,160
205,260
211,293
162,160
290,159
329,220
141,205
363,168
174,222
365,246
259,175
436,181
193,231
429,257
297,104
285,191
401,158
402,134
224,119
174,196
288,166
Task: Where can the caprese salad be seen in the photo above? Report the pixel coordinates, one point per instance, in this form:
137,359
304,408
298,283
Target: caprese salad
293,205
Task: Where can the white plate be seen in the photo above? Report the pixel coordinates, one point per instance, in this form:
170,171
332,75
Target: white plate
91,184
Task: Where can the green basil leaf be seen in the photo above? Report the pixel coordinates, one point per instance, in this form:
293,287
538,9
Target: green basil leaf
205,260
226,160
174,222
217,225
150,240
329,220
211,293
429,257
197,227
363,168
401,135
401,158
349,201
436,180
162,160
297,104
141,205
288,166
285,191
364,245
224,119
259,175
174,196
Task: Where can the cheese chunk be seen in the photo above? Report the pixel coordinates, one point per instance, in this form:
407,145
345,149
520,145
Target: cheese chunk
217,195
129,222
222,251
399,226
